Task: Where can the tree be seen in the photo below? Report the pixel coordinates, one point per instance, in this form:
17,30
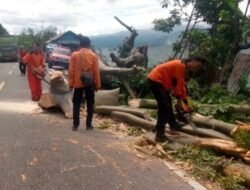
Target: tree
28,36
3,30
218,37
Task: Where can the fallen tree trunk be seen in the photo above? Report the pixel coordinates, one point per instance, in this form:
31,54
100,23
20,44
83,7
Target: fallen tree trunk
59,94
107,110
143,103
229,108
238,170
201,132
46,101
128,88
132,120
218,125
225,146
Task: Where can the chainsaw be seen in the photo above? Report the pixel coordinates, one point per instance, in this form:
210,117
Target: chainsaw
185,117
40,74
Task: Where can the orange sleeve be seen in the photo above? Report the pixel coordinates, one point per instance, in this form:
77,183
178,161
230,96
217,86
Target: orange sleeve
97,73
26,58
71,70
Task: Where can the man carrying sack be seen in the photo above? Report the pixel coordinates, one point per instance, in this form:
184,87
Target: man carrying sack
84,77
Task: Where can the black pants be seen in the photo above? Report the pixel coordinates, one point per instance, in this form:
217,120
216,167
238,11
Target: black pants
165,108
77,100
22,67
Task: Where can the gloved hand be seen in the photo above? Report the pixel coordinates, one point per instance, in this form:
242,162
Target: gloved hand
187,109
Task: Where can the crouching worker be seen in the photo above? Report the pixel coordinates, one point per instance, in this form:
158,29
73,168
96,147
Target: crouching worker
84,61
167,78
34,61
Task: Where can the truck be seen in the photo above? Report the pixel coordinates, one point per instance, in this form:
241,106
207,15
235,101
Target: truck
8,48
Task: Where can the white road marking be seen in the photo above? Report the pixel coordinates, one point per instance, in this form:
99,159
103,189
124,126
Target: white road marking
180,173
10,72
2,85
14,67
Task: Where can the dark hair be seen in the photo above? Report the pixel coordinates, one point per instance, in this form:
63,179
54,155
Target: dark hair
84,41
201,59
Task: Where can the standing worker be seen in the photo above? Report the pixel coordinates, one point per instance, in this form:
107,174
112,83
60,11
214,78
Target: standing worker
35,71
166,78
22,66
84,60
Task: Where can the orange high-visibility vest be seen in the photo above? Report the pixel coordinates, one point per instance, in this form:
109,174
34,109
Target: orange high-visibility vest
171,75
83,59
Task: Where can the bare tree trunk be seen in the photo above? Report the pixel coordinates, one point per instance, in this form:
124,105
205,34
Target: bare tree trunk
234,47
133,120
186,31
107,110
186,44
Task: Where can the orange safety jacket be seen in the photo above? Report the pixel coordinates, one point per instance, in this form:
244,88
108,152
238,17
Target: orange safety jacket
171,75
35,60
84,59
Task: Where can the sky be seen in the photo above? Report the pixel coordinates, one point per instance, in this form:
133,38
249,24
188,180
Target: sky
89,17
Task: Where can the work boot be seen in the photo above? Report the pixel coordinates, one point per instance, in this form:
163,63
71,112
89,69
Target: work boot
162,138
74,128
90,127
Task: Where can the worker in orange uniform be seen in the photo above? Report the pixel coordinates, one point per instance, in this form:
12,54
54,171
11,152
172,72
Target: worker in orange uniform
166,78
22,66
83,60
35,71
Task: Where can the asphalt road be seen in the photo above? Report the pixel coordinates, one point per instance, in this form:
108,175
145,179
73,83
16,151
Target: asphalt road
40,151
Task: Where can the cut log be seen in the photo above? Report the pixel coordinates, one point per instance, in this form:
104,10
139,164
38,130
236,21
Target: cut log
182,138
143,103
238,170
201,132
107,110
215,124
46,101
128,88
230,108
226,147
241,127
59,94
132,120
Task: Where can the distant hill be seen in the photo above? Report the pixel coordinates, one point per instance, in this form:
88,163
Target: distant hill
150,37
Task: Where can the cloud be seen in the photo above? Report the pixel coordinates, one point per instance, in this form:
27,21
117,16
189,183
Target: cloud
88,17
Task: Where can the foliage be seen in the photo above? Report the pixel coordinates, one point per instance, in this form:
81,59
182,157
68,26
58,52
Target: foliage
138,83
222,99
3,30
28,36
167,25
226,27
208,165
218,95
231,182
194,89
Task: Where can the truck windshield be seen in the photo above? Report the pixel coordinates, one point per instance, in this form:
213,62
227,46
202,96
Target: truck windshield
62,51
